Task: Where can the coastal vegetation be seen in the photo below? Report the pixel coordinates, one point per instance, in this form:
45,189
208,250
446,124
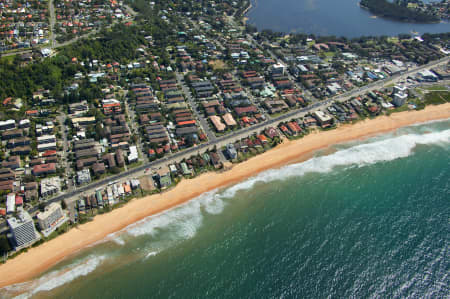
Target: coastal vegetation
395,11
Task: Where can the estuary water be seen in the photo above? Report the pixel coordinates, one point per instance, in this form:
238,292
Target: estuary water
365,219
330,17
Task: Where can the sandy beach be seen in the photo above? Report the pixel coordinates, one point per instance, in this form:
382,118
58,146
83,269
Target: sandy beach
39,259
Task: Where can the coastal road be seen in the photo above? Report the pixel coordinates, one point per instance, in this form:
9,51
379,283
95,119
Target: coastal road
222,141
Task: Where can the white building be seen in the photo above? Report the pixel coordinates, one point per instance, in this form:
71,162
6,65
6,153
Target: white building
427,75
46,146
7,124
278,68
10,203
50,186
52,218
334,88
400,95
400,99
133,156
400,89
322,117
83,176
135,184
24,123
46,139
46,52
23,231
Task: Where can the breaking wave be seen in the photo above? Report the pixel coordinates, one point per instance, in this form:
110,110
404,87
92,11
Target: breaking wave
56,278
179,223
183,222
359,155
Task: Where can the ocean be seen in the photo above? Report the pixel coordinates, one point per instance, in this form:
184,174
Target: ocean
365,219
330,17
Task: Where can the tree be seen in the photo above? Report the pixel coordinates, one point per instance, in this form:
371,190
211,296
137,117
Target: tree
5,247
41,206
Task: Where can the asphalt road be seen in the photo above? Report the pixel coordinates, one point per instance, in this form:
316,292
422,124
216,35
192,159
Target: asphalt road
90,188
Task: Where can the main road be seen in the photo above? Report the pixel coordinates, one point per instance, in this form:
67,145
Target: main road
221,141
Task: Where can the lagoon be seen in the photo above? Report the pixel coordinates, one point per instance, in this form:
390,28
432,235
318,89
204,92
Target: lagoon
330,17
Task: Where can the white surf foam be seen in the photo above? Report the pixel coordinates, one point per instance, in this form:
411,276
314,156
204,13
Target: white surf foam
56,278
181,222
150,254
358,155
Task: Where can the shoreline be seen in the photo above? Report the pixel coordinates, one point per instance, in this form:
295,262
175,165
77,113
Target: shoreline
395,19
39,259
245,18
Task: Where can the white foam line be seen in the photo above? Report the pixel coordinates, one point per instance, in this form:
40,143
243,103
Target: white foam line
56,278
184,221
360,155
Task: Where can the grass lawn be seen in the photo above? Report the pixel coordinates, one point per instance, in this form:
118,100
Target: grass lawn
218,64
8,59
436,98
437,88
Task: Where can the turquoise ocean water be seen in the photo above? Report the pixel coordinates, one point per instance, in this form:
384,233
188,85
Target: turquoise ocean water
365,220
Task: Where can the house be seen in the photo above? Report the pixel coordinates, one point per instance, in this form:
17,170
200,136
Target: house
185,169
46,146
240,111
163,177
229,120
24,123
13,162
215,160
231,151
217,122
427,76
110,160
44,169
271,132
186,131
294,127
322,118
21,150
119,158
7,175
262,138
6,186
98,168
7,124
81,163
10,134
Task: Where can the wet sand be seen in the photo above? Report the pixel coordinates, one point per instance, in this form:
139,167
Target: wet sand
39,259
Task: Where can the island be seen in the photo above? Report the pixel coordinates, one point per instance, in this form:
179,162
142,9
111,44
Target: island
399,11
